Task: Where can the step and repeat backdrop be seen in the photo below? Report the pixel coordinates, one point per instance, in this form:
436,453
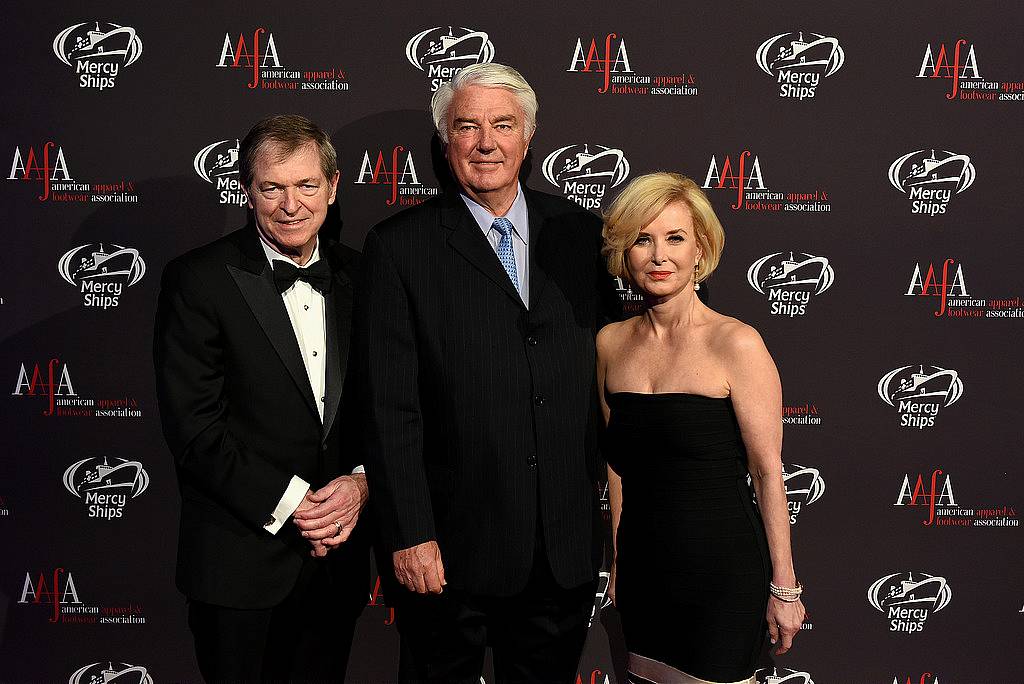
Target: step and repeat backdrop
866,165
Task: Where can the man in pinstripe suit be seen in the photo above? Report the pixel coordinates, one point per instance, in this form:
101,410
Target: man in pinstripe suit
476,325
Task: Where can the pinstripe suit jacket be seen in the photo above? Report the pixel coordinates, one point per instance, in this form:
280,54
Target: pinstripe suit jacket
482,413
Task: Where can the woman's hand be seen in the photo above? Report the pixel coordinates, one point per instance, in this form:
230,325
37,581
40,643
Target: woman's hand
784,620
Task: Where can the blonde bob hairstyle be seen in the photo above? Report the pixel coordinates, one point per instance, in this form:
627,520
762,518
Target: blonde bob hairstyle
640,203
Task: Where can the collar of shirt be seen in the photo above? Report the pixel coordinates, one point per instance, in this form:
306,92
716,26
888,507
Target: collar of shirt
274,255
517,214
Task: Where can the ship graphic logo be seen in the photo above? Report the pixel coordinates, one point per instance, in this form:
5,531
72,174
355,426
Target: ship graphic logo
98,40
800,52
921,383
802,483
932,170
448,46
784,675
790,271
601,598
94,263
111,672
106,475
586,163
217,160
910,590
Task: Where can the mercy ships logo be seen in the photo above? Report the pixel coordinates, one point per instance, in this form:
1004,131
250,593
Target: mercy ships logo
97,51
110,672
585,172
803,485
789,282
217,164
799,61
441,52
908,598
106,487
101,273
919,391
930,180
785,675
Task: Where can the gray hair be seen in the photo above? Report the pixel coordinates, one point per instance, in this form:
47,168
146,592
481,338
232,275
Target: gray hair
488,75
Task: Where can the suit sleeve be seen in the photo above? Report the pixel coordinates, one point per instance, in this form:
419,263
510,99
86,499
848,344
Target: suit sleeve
189,358
386,345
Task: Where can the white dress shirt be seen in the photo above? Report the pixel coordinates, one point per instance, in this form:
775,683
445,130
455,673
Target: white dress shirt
519,216
305,307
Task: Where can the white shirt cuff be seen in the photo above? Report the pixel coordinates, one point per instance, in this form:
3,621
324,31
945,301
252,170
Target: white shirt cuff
297,489
358,469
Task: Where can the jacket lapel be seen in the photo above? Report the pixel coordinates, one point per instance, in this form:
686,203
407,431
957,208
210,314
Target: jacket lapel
538,278
255,279
338,320
468,240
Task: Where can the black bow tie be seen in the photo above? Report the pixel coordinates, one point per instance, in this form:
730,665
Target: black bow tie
318,275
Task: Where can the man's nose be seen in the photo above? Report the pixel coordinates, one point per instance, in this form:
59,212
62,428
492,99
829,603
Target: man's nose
486,143
290,201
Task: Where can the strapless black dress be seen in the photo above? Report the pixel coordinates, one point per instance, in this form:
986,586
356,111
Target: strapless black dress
692,568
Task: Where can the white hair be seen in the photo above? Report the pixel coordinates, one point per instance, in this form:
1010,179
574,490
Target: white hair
488,75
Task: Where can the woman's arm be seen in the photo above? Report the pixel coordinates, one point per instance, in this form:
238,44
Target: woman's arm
757,398
614,482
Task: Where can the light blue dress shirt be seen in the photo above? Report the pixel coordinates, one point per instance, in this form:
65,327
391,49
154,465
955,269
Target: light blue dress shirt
520,218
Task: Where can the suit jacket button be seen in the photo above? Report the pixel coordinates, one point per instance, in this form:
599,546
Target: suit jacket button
531,460
323,447
538,399
532,341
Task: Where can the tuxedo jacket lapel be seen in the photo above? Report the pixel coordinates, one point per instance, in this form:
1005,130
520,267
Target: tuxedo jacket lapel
468,240
338,321
255,279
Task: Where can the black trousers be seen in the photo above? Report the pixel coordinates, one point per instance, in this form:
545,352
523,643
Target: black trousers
306,638
536,636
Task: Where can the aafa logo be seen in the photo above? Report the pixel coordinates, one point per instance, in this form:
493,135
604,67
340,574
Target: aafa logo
33,166
925,678
54,382
919,391
441,52
790,281
930,180
937,64
584,172
592,60
735,175
101,273
395,169
217,164
97,51
784,675
109,671
60,591
927,284
799,64
908,598
106,487
253,55
936,495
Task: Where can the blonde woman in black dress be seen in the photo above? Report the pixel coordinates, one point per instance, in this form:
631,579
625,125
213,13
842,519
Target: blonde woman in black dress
693,404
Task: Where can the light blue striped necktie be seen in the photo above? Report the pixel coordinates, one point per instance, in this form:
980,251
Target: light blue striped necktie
505,252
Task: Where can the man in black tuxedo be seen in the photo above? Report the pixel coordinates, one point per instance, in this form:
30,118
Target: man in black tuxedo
477,317
251,351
